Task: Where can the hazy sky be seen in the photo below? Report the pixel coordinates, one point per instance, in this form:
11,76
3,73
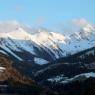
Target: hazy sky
46,13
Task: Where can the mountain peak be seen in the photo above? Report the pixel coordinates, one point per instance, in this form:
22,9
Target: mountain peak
9,26
84,25
25,37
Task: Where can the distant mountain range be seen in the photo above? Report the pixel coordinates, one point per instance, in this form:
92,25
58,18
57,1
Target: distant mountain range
46,58
24,43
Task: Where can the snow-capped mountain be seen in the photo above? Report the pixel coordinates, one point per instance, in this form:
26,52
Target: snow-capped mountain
21,45
24,43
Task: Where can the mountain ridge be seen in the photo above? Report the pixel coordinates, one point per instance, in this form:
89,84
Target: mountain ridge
16,37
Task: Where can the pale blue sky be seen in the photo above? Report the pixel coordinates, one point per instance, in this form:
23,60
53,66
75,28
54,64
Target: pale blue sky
46,12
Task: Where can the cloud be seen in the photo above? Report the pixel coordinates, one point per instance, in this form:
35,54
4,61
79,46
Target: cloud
74,25
80,22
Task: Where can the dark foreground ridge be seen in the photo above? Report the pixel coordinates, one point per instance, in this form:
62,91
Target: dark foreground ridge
13,81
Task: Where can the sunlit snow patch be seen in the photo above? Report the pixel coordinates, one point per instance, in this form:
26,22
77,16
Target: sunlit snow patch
2,69
40,61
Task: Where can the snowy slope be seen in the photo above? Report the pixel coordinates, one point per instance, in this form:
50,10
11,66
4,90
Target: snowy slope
40,61
64,79
18,37
2,69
